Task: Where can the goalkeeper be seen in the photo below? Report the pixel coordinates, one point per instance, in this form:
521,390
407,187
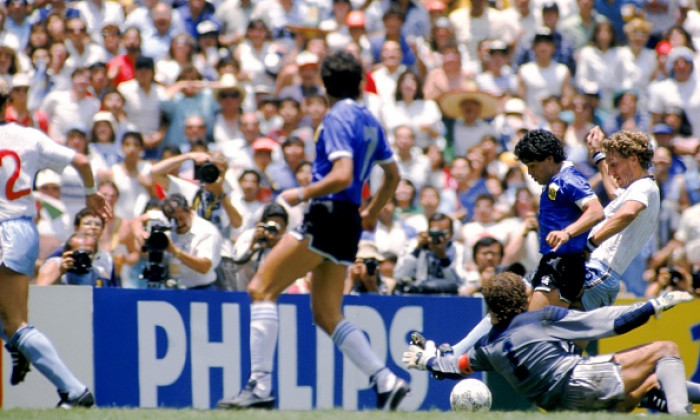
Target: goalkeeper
530,350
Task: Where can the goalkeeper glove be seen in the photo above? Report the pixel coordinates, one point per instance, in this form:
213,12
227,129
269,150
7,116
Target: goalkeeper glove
668,300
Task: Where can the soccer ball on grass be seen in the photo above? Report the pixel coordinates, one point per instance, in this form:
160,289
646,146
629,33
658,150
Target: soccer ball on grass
470,395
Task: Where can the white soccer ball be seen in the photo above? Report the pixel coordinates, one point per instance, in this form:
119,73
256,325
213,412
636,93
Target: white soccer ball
470,395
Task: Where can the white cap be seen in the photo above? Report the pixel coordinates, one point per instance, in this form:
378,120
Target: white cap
46,177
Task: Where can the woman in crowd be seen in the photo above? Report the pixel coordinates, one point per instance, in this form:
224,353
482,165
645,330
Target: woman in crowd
410,109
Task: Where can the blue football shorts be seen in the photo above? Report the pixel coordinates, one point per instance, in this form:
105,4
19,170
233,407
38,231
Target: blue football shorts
334,228
19,245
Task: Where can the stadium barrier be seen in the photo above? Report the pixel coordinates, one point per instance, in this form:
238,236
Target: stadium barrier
153,348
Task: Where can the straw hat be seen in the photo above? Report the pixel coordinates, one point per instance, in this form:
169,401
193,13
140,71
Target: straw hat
450,102
228,82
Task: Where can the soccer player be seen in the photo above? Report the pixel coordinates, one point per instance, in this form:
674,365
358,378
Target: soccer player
630,218
529,350
568,210
348,143
23,152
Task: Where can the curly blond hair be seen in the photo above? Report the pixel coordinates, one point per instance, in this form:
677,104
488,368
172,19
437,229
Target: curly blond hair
506,295
630,143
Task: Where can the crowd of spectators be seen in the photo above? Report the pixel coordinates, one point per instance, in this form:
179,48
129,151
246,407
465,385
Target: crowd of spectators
153,91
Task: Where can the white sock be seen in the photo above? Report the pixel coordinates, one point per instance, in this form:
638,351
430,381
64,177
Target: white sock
38,349
671,374
264,326
353,343
481,329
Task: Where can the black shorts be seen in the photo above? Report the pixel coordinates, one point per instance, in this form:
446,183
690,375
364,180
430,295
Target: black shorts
565,272
334,228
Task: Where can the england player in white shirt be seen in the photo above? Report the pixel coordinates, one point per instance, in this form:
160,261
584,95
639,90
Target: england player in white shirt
23,152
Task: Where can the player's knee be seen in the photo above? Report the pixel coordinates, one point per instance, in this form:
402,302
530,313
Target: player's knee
255,290
668,349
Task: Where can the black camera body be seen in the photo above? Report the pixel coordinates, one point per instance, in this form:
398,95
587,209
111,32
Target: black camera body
156,270
437,236
82,261
206,172
371,264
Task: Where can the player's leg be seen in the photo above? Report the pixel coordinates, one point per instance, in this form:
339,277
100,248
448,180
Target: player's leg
287,261
30,343
326,298
661,358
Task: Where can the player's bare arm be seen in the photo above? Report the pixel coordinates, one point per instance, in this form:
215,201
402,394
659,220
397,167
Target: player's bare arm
620,220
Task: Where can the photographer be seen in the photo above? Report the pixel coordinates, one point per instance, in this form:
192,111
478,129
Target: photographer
434,266
254,244
364,276
78,265
210,200
487,254
195,246
669,279
55,265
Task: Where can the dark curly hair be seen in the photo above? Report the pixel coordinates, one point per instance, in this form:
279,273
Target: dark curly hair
505,295
341,73
538,145
628,144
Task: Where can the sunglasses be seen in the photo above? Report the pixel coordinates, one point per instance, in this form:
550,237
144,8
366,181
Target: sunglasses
224,95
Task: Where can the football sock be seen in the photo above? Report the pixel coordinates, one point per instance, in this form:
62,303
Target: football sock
482,328
353,343
671,374
693,392
38,349
264,326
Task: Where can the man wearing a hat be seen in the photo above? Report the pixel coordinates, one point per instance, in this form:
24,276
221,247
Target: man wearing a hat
469,107
308,81
363,275
17,111
563,44
679,90
544,76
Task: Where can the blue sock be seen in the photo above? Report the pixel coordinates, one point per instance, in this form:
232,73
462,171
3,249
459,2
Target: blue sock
38,349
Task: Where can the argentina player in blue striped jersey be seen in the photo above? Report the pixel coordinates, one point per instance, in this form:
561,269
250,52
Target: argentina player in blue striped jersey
348,143
568,210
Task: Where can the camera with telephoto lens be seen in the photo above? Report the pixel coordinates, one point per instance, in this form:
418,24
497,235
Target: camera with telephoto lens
82,261
206,172
437,236
156,270
372,264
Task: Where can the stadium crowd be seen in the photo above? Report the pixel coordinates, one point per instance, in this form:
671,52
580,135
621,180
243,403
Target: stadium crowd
214,106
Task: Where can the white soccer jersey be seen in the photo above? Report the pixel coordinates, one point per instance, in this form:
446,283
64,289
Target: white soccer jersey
23,152
618,251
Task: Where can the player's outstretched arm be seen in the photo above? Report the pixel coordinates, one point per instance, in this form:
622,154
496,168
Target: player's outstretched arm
94,201
370,214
